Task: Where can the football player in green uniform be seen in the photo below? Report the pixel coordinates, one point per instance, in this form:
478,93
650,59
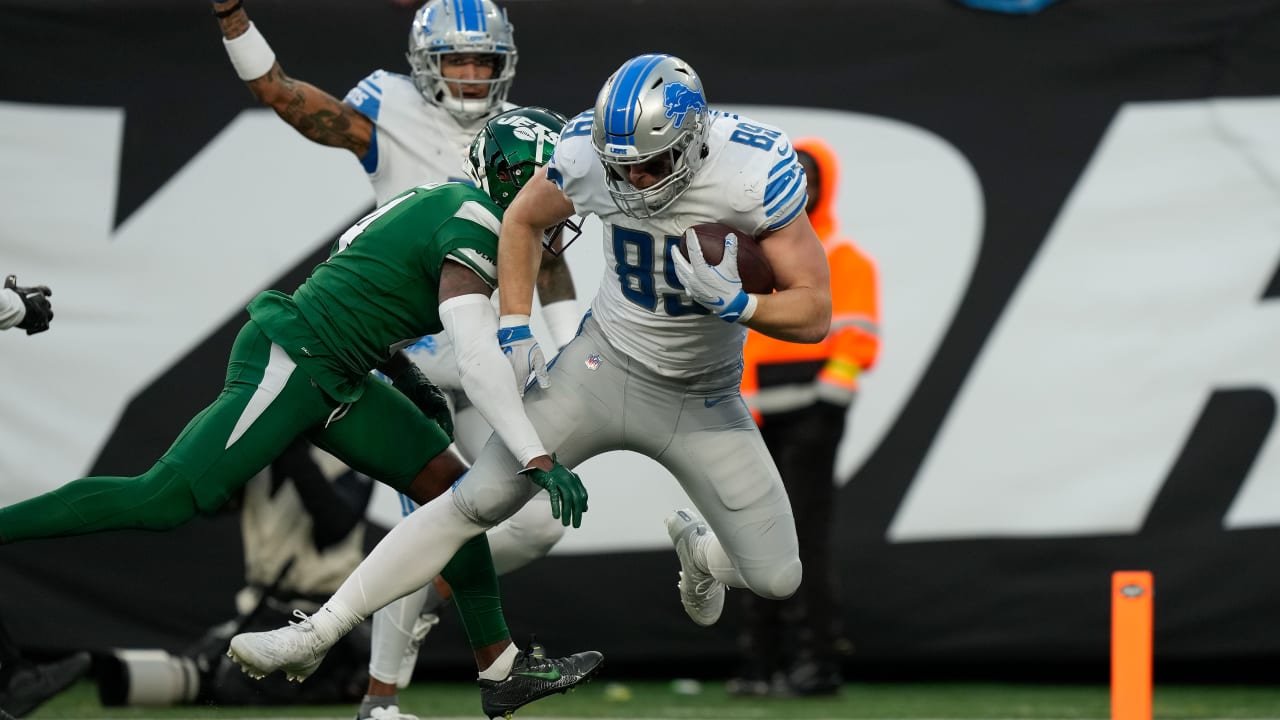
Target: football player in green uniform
422,263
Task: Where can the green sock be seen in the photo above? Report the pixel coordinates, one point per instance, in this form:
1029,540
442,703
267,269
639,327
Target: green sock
475,592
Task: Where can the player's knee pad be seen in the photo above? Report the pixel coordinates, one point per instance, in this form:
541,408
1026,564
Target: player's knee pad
775,582
535,528
489,502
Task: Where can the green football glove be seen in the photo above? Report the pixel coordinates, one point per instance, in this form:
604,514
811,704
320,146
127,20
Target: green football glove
568,496
429,398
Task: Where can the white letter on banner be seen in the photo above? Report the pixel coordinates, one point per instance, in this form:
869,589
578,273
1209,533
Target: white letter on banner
1144,300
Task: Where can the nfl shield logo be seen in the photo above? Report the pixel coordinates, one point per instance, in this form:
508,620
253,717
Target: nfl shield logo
593,361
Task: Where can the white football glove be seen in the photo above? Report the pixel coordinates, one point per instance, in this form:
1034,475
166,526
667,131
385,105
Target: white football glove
717,288
522,351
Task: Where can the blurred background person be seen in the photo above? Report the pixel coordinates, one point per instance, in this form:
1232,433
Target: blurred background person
800,395
25,308
303,529
25,685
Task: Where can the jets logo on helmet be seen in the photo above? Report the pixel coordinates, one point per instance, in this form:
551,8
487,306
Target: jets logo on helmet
452,27
652,109
509,150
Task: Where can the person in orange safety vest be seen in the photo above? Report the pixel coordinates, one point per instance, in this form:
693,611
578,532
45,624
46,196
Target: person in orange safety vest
800,395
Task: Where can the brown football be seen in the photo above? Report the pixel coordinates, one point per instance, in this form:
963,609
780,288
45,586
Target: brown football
753,266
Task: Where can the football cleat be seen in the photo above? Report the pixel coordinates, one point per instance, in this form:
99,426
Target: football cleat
370,710
30,685
534,676
297,649
701,594
421,626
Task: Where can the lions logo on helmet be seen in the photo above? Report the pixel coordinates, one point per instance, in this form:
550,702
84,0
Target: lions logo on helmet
446,27
653,108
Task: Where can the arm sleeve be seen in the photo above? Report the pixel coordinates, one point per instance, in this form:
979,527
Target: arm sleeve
12,309
472,325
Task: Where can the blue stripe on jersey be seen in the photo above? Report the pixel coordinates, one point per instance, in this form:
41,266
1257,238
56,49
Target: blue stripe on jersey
790,216
789,159
554,176
370,159
407,505
619,124
782,189
471,15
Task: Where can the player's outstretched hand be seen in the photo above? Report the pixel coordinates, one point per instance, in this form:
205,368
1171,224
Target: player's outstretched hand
568,496
429,398
522,351
36,301
715,287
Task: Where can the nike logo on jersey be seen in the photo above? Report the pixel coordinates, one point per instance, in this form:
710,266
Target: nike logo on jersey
712,402
550,675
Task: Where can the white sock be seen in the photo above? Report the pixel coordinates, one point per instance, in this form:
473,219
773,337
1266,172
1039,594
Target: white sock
333,620
413,553
501,667
392,630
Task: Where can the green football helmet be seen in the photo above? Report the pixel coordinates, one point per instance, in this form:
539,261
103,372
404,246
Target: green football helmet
511,148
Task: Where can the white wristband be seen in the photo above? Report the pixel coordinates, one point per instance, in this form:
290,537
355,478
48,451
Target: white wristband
508,321
562,318
749,310
250,54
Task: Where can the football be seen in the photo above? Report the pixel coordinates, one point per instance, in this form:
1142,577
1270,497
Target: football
753,267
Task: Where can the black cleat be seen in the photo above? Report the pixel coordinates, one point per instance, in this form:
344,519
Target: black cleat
533,677
31,684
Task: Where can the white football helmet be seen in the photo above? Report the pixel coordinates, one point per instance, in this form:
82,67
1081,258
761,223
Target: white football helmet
445,27
652,109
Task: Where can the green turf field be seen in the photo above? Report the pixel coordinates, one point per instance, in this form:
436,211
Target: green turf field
659,700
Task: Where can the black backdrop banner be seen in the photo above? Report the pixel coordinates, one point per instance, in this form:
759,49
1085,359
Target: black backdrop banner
1026,100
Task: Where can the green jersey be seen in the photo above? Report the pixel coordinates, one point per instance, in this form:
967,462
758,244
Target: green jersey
379,289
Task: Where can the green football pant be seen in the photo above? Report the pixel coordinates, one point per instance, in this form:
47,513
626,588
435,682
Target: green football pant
267,401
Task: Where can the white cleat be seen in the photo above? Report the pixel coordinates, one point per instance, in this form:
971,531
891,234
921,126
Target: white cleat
421,626
297,649
701,594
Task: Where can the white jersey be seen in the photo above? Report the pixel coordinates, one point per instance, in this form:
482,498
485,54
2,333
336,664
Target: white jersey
414,142
750,180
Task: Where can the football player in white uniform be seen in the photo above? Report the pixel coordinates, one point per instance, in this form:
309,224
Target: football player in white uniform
657,364
406,131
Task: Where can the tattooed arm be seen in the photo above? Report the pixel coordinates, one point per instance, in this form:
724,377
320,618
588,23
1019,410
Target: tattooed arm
311,111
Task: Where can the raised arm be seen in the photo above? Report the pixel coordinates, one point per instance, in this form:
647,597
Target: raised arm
311,111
